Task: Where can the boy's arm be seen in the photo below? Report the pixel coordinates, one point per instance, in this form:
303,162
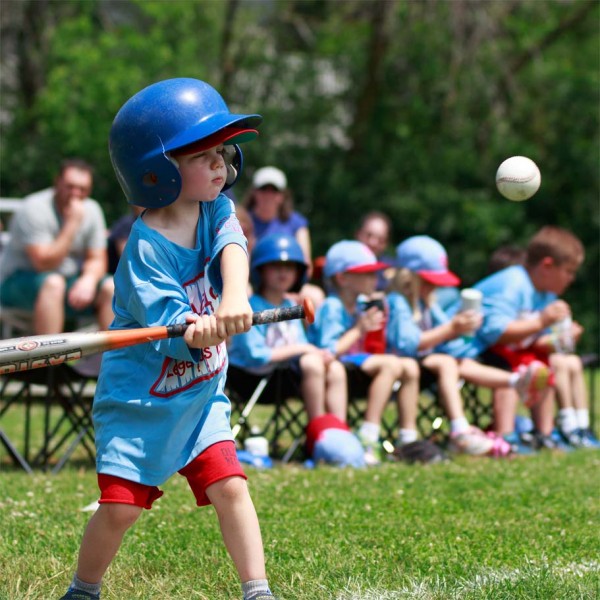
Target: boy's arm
234,314
521,329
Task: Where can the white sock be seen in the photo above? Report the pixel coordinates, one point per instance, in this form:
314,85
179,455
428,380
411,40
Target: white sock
407,436
583,418
370,431
253,587
92,588
567,419
459,425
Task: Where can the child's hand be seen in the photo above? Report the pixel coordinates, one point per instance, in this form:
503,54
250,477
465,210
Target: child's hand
466,322
202,331
234,315
555,312
371,320
576,331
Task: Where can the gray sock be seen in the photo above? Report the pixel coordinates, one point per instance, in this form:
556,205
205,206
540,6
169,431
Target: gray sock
252,588
92,588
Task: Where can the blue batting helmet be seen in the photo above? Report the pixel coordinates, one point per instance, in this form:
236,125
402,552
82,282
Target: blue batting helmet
169,116
278,247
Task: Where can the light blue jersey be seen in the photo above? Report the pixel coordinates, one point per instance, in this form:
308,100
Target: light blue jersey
252,350
160,404
404,333
508,295
331,323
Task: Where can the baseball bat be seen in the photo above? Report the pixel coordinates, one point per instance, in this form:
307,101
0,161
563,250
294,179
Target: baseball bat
38,351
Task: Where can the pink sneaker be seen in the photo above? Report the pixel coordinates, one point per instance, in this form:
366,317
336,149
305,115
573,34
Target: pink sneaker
472,441
534,380
500,447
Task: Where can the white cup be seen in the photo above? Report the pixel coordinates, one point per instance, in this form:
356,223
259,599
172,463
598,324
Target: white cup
471,299
257,446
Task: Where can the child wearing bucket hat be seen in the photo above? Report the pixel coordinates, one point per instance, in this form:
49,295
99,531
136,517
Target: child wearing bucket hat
342,325
420,328
277,267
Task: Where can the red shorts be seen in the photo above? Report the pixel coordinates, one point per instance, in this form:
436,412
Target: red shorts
523,356
217,462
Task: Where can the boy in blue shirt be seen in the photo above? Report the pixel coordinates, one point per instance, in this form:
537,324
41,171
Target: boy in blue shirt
520,306
342,327
160,407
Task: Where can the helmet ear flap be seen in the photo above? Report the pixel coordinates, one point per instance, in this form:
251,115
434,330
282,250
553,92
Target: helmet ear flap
234,161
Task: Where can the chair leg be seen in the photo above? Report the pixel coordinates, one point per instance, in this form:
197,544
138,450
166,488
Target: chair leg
14,453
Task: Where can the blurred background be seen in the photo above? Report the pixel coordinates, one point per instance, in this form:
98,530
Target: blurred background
403,106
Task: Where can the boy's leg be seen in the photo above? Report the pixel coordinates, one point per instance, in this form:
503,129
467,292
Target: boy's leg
121,503
563,383
445,369
385,370
216,477
239,526
506,401
336,390
408,395
542,413
102,538
312,384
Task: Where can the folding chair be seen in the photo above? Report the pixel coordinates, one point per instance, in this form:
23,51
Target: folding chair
280,390
63,387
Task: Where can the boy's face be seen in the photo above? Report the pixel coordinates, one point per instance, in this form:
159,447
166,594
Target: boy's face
279,276
558,277
358,283
203,174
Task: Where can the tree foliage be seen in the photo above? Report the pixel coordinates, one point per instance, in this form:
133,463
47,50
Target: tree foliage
408,107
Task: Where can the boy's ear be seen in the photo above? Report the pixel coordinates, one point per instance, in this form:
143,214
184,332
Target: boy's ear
548,261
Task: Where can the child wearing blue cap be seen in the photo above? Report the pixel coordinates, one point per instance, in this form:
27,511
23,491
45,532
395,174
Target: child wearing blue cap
420,328
277,267
342,327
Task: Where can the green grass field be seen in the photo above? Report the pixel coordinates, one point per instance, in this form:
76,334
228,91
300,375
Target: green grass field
474,528
525,528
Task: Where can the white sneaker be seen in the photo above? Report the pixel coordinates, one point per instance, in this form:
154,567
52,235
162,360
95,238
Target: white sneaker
472,441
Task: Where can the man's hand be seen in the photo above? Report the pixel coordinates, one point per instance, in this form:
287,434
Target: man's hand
82,292
73,212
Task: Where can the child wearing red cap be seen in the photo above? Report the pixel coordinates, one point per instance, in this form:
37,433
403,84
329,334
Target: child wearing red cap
420,328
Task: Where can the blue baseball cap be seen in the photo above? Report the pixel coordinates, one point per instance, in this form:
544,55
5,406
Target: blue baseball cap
427,258
349,256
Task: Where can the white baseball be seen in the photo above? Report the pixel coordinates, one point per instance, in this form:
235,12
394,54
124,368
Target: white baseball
518,178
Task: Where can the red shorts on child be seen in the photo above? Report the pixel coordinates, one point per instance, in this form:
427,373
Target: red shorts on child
217,462
525,356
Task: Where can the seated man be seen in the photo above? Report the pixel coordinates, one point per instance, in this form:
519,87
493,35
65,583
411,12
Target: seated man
55,263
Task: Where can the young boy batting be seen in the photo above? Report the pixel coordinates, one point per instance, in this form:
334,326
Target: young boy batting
160,407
